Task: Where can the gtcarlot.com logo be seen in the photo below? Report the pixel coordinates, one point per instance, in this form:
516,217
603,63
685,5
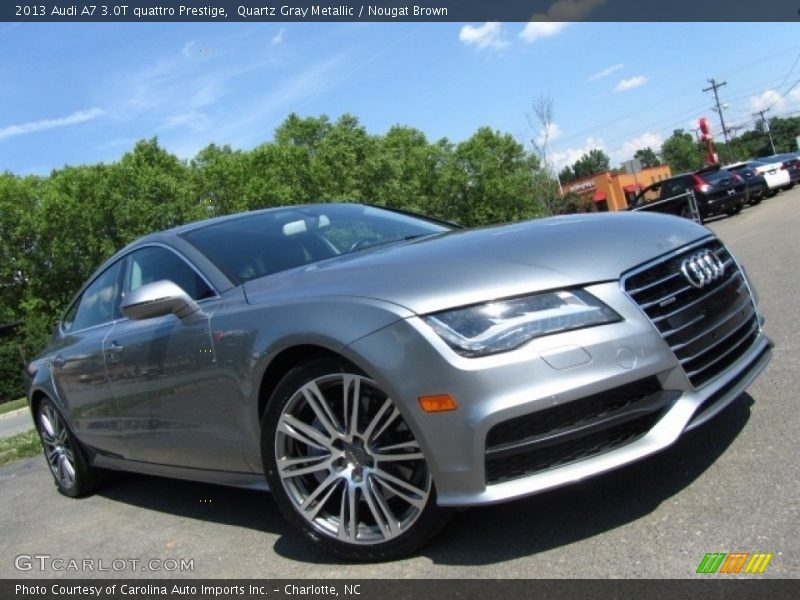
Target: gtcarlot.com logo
734,562
47,562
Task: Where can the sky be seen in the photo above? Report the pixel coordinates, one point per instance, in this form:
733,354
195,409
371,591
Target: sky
75,94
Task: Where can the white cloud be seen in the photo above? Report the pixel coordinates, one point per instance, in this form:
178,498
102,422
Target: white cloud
488,35
767,99
536,30
606,72
80,116
628,84
187,48
553,132
278,38
568,156
629,148
194,120
291,95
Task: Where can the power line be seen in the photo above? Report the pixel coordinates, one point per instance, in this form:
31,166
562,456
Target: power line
794,64
782,96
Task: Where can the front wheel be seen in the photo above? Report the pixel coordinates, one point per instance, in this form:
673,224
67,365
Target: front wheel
344,466
71,472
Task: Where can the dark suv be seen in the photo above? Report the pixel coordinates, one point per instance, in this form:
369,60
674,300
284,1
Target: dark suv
717,191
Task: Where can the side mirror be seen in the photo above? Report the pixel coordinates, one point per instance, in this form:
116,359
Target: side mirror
156,300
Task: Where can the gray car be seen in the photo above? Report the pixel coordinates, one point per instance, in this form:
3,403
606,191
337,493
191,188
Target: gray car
375,369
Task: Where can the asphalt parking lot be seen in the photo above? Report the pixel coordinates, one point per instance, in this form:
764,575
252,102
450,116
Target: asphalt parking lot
729,486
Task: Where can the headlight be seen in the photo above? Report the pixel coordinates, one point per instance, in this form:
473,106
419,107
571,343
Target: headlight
506,324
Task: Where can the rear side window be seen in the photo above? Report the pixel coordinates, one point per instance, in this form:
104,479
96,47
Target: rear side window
674,187
154,263
98,304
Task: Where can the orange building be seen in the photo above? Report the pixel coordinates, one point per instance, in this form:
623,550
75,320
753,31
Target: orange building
609,191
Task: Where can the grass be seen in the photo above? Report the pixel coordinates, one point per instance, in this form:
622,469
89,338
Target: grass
17,447
6,407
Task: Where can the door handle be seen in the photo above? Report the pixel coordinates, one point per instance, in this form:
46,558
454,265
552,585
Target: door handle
58,362
115,348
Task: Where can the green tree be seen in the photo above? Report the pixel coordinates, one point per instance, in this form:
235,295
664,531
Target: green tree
647,157
681,152
784,134
218,177
405,171
567,174
593,162
490,180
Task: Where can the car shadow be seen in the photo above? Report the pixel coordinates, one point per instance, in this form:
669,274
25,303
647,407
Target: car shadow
475,536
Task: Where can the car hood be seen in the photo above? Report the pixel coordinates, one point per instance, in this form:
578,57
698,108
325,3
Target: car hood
467,267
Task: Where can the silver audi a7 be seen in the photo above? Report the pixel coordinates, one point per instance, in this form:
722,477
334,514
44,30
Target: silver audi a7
375,369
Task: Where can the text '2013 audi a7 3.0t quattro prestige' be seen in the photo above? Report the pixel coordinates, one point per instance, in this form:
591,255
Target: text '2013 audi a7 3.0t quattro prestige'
375,369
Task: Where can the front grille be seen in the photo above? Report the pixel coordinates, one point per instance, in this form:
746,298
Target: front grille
574,430
708,328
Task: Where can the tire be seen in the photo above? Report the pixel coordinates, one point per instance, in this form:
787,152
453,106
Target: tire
734,211
322,460
65,457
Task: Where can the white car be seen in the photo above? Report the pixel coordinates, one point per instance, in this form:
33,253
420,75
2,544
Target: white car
776,176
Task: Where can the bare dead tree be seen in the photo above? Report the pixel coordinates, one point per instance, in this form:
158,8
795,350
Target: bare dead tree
541,121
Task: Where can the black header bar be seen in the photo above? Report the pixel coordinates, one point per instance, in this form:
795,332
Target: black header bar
394,10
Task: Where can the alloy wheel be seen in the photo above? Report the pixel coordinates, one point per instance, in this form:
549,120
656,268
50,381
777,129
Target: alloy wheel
57,447
348,462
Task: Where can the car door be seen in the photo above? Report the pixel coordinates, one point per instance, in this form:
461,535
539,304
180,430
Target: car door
78,365
166,384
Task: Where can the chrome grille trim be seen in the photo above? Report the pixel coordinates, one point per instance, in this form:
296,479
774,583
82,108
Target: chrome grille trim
706,328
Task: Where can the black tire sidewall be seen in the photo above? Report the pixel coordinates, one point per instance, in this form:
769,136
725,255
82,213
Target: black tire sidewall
428,523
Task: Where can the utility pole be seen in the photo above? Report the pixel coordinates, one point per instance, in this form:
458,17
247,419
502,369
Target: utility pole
715,86
765,125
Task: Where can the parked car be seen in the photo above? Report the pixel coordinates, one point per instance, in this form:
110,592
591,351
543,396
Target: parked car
716,190
758,187
376,369
789,162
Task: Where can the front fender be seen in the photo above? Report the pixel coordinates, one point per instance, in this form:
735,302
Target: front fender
248,338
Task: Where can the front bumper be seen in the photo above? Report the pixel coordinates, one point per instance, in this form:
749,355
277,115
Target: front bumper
409,360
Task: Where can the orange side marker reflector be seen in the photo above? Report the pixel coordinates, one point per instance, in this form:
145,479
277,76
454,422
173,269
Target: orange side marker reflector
437,403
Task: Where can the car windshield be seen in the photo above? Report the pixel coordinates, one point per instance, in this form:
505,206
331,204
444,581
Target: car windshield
266,242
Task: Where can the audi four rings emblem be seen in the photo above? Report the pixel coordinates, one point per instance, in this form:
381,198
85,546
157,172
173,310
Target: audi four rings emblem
703,268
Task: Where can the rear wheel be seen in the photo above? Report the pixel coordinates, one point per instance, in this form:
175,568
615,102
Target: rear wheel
344,466
734,211
71,472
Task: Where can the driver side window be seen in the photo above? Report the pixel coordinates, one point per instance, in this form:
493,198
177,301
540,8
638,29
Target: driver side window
98,304
651,194
156,264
